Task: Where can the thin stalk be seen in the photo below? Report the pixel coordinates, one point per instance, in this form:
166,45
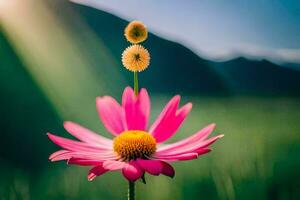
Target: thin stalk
136,83
131,190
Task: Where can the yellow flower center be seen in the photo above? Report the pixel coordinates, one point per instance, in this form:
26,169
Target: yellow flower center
134,144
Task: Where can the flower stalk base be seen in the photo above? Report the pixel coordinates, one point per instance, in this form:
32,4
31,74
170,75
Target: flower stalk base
131,190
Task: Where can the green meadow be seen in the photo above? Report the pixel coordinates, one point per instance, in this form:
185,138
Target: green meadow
257,159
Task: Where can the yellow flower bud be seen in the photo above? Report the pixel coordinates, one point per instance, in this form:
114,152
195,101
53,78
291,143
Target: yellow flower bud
136,32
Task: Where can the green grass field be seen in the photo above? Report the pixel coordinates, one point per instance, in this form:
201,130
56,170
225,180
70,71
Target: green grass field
257,159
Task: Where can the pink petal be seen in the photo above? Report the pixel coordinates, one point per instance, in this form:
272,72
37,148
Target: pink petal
132,171
84,162
171,158
137,109
169,120
153,167
167,169
111,114
96,171
197,137
84,155
162,119
190,148
61,156
57,153
113,165
74,145
87,135
202,151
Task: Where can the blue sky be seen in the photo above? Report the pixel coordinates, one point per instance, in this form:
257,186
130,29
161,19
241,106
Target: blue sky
219,29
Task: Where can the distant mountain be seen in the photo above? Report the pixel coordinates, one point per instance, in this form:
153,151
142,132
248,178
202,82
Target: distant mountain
259,77
175,68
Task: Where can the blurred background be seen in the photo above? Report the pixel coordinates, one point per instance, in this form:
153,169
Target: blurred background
238,62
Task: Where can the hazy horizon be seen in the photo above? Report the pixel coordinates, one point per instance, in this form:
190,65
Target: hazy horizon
219,30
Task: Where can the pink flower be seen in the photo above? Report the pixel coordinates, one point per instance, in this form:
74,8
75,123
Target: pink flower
134,150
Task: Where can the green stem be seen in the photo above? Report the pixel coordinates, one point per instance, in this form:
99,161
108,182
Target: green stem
131,186
131,190
136,83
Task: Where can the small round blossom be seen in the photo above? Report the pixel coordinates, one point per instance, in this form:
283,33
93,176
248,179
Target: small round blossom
136,32
136,58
